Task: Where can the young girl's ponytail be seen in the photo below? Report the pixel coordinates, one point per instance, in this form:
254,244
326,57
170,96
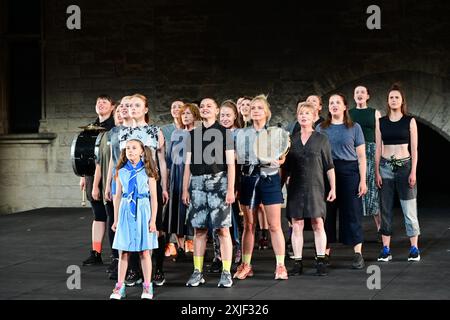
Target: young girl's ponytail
150,166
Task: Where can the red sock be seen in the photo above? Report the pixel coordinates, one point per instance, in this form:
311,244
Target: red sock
97,246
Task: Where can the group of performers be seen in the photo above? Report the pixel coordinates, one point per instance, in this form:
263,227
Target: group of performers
153,182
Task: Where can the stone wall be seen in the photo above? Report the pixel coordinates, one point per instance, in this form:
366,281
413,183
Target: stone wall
192,49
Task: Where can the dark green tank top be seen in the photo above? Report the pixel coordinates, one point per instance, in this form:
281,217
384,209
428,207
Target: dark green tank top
366,119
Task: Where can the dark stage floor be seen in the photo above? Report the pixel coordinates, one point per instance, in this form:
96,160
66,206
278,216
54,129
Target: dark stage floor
38,246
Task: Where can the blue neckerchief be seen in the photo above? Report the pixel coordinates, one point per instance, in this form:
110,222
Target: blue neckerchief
133,186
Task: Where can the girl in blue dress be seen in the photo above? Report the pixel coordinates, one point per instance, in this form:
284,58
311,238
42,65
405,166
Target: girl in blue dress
135,218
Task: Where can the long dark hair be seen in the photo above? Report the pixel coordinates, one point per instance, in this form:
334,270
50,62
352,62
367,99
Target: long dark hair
347,120
149,164
403,107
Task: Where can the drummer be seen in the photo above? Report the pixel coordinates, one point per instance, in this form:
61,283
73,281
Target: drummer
104,108
260,183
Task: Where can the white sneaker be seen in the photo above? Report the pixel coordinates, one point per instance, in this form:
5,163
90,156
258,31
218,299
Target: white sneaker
118,292
147,292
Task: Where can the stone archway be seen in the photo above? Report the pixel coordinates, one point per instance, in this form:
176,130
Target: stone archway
429,103
426,95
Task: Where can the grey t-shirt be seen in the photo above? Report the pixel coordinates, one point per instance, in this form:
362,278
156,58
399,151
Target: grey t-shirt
343,140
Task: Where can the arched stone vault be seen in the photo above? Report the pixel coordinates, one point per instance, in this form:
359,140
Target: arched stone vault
427,94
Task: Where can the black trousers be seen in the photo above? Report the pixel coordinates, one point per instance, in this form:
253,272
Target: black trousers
349,205
110,212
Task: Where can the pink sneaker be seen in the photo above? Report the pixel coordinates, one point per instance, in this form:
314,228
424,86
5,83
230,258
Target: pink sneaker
238,270
170,250
244,270
281,273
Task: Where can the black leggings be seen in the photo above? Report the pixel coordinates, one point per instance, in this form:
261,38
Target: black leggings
158,253
99,210
110,211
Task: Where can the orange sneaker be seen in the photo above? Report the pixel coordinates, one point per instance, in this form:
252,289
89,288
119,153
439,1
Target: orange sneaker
189,246
238,270
281,273
170,250
173,250
244,270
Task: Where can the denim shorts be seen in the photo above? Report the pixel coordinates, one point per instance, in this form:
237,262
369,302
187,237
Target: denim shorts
258,189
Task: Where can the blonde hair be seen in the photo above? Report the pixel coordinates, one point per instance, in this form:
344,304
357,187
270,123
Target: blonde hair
266,104
125,98
305,105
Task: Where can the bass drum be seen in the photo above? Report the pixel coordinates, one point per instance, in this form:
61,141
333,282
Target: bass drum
82,152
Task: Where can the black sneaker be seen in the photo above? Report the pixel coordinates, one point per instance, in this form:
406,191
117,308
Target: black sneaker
113,266
297,269
358,261
321,267
326,260
159,279
133,278
216,266
94,259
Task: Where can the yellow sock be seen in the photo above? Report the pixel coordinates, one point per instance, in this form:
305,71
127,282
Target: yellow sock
246,258
226,265
280,260
198,263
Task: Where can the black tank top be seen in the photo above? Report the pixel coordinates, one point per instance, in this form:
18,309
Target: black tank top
395,132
